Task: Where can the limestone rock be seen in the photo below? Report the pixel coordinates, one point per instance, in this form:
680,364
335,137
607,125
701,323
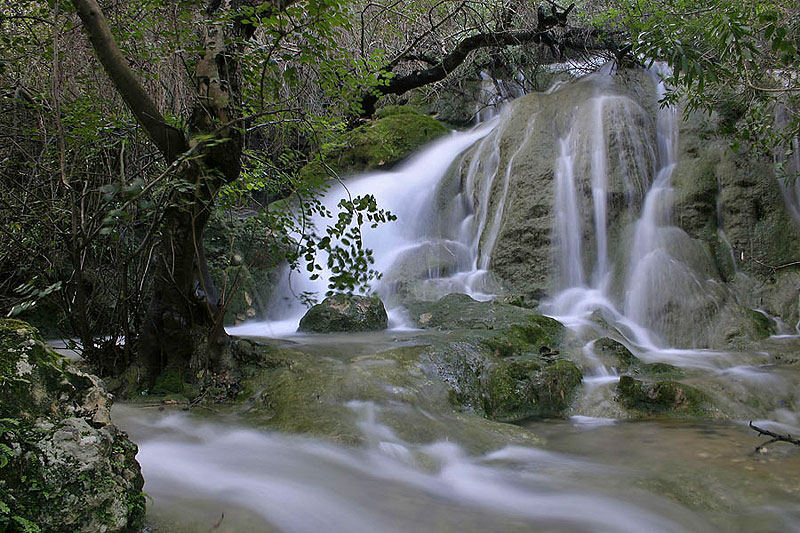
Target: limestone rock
662,397
519,388
342,312
69,468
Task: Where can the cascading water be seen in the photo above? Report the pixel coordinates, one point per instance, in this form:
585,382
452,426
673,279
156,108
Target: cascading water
614,250
412,247
588,167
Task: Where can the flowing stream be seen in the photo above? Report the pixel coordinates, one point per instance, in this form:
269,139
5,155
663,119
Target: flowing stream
590,472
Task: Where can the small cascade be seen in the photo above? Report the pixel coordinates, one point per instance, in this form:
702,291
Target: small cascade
414,248
493,229
583,259
568,224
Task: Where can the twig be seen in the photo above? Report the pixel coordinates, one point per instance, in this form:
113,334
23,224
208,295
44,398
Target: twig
776,437
219,523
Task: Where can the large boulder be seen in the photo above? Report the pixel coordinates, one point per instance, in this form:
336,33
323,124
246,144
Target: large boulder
498,359
345,312
663,398
523,387
63,465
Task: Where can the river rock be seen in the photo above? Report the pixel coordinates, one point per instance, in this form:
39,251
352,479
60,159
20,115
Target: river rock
523,387
663,397
343,312
499,360
63,465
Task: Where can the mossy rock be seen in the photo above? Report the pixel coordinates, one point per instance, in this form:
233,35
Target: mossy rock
329,396
626,362
379,144
63,465
662,398
345,312
607,347
29,368
738,327
519,388
459,311
536,334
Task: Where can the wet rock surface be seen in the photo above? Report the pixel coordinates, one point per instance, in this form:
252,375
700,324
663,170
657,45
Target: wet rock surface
343,312
65,466
663,397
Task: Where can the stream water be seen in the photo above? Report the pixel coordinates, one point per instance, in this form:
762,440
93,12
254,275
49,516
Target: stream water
208,471
590,472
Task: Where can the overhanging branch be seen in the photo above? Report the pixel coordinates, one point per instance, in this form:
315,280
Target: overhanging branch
440,70
170,141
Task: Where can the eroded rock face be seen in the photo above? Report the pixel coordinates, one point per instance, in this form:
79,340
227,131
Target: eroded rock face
69,468
343,312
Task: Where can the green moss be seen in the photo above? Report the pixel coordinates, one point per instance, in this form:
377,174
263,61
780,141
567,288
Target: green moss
537,334
28,366
379,144
169,381
515,388
662,397
391,110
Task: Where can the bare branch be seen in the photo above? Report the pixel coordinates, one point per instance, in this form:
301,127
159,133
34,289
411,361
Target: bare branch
776,437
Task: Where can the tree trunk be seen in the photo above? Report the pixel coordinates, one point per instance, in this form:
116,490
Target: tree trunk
181,330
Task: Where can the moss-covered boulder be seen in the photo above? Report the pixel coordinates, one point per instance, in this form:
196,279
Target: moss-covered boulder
63,465
519,388
345,312
379,144
533,333
498,359
460,311
336,396
662,397
625,362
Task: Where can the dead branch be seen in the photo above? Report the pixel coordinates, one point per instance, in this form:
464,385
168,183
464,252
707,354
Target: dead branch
775,437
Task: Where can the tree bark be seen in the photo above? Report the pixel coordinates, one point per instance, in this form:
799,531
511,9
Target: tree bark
180,329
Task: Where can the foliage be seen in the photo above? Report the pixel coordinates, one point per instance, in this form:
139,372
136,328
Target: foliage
724,55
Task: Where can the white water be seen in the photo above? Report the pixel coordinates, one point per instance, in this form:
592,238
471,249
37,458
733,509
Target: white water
297,484
409,193
577,299
272,480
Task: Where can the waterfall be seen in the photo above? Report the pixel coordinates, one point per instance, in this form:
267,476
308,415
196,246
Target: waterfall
613,248
415,247
568,225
